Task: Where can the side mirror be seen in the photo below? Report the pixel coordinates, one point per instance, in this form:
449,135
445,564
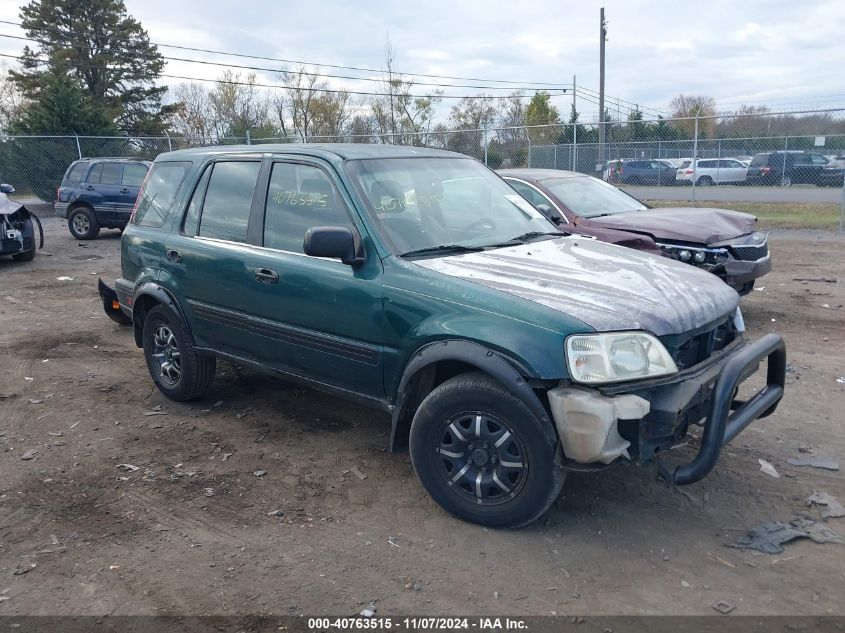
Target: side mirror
4,188
550,213
335,242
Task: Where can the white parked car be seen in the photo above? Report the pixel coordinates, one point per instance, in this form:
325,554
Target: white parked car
712,171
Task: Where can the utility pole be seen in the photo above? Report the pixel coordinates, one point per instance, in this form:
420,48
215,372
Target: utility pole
602,38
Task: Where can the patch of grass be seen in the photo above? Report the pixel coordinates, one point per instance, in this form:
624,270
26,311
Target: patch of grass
779,215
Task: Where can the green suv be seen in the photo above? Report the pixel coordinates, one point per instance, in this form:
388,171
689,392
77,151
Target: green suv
417,281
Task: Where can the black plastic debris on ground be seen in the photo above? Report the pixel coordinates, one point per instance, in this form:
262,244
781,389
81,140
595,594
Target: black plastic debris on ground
770,536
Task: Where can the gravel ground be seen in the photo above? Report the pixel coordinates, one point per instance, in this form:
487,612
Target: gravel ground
268,498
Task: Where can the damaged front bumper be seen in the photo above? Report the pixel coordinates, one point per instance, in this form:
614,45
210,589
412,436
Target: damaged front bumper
738,272
599,426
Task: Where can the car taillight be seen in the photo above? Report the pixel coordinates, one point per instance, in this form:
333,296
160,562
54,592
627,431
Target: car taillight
58,189
765,170
689,171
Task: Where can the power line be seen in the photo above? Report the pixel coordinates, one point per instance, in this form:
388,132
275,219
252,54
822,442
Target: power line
276,70
277,86
291,61
637,105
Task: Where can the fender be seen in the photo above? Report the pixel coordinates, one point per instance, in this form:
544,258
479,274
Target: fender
160,295
474,354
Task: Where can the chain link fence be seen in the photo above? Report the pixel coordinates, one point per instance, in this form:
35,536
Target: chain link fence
760,149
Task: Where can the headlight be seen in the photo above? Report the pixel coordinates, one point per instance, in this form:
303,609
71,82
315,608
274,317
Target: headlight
699,256
616,356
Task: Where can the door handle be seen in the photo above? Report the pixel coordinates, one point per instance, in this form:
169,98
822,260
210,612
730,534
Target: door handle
174,256
124,190
266,276
89,187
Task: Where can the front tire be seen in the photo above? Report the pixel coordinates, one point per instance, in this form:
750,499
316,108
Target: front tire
83,223
177,370
483,455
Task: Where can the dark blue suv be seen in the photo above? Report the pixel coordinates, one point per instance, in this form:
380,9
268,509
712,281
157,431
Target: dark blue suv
99,193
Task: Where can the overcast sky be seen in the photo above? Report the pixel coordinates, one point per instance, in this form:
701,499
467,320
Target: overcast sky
783,53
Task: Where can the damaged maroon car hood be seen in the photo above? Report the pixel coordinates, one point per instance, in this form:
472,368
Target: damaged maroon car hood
682,224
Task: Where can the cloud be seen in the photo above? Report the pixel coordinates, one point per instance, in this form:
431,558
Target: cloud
750,51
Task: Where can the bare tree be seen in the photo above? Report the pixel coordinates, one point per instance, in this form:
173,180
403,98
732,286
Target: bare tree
399,116
240,106
470,118
690,106
193,113
309,108
11,100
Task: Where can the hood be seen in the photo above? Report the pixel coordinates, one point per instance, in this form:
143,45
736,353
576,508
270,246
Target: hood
615,236
605,286
682,224
7,206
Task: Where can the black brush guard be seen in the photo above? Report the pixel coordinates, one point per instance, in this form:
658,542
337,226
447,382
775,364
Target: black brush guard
728,417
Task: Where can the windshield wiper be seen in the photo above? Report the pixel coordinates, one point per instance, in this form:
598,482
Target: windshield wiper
443,249
527,237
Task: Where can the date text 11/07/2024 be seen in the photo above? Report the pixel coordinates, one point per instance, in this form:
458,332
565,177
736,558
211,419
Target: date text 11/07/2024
418,624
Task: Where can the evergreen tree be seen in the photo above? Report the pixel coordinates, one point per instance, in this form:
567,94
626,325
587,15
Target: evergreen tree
61,106
100,47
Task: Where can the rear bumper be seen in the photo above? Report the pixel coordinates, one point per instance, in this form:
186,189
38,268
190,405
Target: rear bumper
61,209
112,306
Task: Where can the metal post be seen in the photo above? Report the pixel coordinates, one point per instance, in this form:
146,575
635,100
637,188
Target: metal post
842,215
719,163
169,144
574,125
528,134
248,138
485,145
78,148
783,168
694,159
554,164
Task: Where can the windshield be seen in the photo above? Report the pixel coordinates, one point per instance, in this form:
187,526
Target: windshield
426,203
590,197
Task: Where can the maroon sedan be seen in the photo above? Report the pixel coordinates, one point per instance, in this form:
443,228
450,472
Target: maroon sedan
726,243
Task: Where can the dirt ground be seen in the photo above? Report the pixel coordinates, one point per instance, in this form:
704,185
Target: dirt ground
190,531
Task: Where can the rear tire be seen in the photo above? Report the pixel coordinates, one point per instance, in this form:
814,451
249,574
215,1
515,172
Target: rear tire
704,181
177,370
483,455
83,223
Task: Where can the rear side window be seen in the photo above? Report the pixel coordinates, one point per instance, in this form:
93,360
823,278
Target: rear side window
95,173
133,174
299,197
158,193
112,174
708,164
75,173
225,211
685,164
